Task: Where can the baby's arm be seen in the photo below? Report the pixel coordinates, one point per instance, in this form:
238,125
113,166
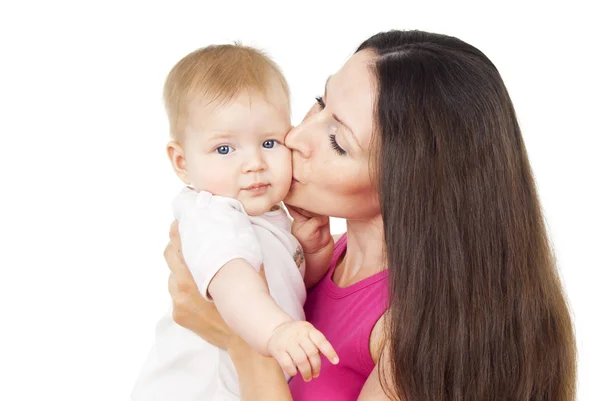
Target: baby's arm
224,256
244,302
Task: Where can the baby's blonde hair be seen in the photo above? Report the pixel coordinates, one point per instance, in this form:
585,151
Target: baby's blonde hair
217,73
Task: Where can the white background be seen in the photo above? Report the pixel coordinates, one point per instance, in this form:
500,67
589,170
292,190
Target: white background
86,185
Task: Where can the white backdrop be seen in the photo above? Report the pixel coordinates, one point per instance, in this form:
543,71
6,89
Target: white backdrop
87,185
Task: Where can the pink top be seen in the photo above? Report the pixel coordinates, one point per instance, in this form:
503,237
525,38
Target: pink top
346,316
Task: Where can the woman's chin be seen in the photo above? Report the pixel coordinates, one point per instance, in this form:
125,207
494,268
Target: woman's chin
289,199
292,197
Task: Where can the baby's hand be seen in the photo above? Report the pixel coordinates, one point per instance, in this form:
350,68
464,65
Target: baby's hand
297,345
311,230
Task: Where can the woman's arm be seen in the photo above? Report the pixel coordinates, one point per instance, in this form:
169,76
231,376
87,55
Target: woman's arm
373,390
260,377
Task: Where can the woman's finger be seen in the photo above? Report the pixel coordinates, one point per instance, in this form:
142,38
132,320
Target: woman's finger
174,236
172,285
178,267
173,229
170,254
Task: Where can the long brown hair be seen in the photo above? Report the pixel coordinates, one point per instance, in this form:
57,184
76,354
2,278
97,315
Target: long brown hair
477,311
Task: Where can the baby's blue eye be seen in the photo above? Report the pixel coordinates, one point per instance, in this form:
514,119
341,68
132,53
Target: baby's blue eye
223,150
270,144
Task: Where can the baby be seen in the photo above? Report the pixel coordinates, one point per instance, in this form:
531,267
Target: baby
229,112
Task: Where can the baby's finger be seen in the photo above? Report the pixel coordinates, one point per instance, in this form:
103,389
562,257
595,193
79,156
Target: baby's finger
301,361
286,363
324,346
314,358
296,215
316,223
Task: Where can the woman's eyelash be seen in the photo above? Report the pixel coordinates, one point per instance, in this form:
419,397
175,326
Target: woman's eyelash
336,146
320,101
332,140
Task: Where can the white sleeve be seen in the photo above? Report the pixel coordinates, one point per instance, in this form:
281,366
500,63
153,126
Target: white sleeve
214,230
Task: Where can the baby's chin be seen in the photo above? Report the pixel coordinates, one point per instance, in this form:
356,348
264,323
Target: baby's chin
256,211
257,207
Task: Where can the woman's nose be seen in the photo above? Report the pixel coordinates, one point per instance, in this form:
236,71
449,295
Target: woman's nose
298,139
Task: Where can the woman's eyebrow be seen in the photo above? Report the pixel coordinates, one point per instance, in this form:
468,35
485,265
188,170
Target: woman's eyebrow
336,118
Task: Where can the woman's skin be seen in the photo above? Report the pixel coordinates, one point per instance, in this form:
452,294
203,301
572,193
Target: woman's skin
333,176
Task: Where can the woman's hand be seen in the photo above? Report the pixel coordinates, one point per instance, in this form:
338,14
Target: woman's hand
190,310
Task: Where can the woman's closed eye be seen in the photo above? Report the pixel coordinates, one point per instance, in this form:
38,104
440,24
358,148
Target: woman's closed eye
334,144
340,151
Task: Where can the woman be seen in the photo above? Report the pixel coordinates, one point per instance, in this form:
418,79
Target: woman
444,286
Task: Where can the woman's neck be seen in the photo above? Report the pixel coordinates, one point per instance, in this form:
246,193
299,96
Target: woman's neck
365,251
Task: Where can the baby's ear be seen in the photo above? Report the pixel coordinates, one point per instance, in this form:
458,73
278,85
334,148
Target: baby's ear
177,159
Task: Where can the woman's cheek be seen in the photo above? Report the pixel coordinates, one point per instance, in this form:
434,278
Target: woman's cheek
346,178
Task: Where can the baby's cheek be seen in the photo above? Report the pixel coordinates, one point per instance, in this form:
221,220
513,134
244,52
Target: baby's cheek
214,179
283,163
221,183
283,168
